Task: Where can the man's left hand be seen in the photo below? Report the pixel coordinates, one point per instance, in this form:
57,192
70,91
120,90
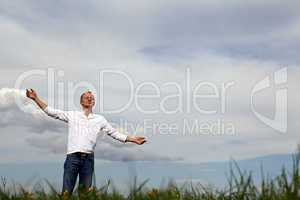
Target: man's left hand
136,139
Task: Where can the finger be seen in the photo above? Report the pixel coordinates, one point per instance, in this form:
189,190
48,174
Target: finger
142,141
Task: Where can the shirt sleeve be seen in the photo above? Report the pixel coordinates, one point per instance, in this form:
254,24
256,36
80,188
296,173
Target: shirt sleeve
57,114
112,132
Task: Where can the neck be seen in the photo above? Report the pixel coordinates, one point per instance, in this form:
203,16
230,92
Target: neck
87,110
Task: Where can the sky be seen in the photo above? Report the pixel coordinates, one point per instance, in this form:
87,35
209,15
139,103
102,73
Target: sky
160,67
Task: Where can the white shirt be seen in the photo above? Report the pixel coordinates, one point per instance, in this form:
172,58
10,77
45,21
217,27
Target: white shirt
84,130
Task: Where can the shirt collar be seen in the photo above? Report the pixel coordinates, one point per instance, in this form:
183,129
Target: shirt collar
91,115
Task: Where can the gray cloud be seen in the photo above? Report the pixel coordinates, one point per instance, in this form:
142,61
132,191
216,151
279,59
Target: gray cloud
151,41
165,32
54,144
105,150
31,118
250,30
170,22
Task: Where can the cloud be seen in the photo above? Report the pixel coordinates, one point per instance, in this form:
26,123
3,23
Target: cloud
105,150
108,152
54,144
168,31
236,30
17,110
219,41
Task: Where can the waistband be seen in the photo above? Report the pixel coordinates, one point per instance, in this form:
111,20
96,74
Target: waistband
82,154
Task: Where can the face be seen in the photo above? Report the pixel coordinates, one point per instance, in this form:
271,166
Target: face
87,100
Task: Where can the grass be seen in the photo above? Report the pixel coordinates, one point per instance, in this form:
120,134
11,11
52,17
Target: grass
240,186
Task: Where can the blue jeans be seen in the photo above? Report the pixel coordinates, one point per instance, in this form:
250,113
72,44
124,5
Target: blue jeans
81,164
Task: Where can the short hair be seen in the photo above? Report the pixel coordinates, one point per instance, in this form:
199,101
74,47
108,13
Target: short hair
81,96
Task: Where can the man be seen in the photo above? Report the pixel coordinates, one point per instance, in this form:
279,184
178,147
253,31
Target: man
83,126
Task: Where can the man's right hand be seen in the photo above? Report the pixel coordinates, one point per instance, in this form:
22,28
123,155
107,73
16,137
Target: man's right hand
30,93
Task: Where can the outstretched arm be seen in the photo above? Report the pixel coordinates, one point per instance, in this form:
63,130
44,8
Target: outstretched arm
30,93
55,113
121,136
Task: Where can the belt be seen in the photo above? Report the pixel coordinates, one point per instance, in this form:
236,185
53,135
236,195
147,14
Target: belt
83,154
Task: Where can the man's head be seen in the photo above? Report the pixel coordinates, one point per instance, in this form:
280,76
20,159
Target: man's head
87,100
